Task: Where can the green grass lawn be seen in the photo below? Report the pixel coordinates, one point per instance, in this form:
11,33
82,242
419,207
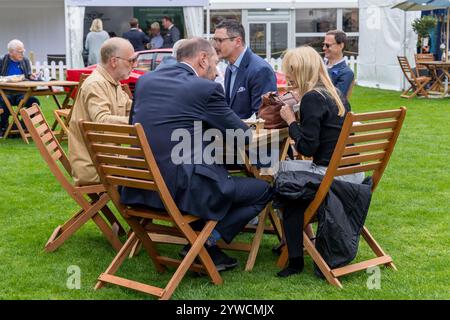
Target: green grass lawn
409,216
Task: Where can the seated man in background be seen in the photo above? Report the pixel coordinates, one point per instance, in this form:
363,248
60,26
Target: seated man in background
101,99
14,63
182,97
338,70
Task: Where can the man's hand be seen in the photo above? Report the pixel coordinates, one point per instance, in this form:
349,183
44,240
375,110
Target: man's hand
287,114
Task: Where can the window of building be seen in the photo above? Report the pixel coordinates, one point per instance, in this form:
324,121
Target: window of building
350,19
315,20
218,15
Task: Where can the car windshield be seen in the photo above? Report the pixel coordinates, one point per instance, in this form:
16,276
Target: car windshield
145,61
149,61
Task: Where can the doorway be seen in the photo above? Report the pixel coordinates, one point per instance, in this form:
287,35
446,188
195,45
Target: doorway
269,35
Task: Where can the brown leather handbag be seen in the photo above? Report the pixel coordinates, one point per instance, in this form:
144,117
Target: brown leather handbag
270,108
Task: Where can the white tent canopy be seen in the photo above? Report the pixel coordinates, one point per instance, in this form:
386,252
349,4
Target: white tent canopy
282,4
384,34
75,9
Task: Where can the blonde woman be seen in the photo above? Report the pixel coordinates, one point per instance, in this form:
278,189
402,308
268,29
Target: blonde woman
322,113
94,41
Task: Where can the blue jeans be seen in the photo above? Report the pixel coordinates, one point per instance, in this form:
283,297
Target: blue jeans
14,99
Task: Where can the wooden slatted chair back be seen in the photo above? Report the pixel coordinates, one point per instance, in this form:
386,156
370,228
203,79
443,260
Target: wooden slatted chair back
124,158
365,144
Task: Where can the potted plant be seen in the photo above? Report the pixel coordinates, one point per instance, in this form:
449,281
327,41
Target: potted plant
422,27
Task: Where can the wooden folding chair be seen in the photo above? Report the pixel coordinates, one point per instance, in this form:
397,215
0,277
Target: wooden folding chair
129,162
417,83
365,144
62,116
419,57
91,198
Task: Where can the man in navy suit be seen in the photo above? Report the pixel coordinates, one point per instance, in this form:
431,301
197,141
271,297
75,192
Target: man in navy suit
248,76
138,39
172,34
184,98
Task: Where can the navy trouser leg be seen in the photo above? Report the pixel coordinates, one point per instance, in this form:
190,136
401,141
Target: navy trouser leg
251,196
4,116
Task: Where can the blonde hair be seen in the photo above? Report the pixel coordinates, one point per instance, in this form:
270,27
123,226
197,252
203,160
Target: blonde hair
155,25
97,25
305,68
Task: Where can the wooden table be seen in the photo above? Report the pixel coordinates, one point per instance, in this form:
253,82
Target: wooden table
30,89
262,138
434,67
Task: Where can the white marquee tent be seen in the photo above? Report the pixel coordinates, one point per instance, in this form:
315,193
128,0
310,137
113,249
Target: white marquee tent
45,28
384,34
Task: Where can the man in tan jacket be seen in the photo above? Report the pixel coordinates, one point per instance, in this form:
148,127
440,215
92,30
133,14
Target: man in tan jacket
101,99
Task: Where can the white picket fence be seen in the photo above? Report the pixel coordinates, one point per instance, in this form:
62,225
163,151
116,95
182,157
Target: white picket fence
352,62
276,65
53,70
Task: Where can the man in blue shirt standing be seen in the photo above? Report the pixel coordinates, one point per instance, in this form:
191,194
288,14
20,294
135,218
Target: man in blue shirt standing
333,47
14,63
248,76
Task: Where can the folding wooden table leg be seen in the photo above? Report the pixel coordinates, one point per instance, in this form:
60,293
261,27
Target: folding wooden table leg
256,243
14,114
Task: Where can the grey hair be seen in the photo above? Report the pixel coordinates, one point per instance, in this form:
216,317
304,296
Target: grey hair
111,47
191,47
176,46
14,44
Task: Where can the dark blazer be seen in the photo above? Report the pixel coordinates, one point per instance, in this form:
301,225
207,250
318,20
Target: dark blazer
24,65
173,98
254,78
342,77
171,36
137,38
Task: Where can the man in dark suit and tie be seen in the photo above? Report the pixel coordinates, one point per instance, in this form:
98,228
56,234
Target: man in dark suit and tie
138,39
172,34
183,101
248,76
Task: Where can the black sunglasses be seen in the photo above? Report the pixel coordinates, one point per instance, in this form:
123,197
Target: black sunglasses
327,45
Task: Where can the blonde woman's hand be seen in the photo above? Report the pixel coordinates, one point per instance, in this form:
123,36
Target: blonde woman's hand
287,114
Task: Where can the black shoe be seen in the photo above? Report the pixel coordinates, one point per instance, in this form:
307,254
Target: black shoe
221,260
295,266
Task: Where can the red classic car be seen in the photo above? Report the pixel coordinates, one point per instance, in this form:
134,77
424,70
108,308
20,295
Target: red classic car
148,60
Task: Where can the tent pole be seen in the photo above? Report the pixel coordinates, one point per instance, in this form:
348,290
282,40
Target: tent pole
208,21
448,23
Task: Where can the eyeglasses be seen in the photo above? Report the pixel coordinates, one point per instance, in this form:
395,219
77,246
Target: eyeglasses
328,45
130,60
220,40
20,51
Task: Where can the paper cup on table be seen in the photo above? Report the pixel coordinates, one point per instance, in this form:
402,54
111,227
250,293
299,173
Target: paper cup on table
259,124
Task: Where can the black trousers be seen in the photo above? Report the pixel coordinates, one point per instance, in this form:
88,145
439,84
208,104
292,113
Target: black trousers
250,198
14,99
293,216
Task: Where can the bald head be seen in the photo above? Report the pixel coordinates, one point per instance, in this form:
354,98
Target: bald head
190,48
118,58
114,47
